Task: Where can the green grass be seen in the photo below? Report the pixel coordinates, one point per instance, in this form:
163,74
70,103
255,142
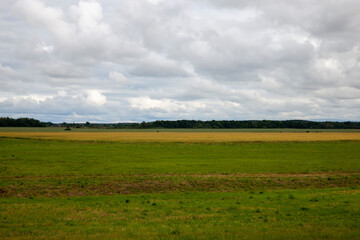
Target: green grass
62,129
283,214
26,157
111,190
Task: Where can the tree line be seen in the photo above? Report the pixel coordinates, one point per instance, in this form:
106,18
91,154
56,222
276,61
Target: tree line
301,124
20,122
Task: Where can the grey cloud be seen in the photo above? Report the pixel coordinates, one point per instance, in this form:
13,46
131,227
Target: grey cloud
157,66
142,60
61,69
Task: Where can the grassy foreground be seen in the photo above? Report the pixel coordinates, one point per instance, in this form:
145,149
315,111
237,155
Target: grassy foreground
172,190
283,214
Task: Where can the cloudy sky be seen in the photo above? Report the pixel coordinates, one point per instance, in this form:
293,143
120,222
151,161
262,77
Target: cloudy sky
135,60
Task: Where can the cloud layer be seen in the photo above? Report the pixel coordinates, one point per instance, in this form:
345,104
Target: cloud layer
135,60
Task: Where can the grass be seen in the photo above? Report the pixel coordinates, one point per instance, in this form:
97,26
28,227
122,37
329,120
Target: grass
202,215
27,157
179,190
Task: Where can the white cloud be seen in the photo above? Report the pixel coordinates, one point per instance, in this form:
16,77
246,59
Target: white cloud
89,18
52,18
95,97
146,103
44,48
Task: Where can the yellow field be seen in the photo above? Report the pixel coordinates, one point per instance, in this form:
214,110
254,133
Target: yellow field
185,136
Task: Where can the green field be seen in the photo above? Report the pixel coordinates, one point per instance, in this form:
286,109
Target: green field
109,190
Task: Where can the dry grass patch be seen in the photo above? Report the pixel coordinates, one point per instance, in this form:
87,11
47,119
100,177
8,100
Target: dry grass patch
187,136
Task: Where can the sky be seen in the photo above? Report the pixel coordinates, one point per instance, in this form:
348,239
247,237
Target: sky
145,60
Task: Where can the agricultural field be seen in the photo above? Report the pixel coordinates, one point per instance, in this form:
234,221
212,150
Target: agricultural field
179,185
190,130
181,136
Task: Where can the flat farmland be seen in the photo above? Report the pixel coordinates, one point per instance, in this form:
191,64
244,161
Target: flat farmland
179,185
188,136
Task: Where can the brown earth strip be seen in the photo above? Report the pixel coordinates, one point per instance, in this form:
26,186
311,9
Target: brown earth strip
217,175
108,185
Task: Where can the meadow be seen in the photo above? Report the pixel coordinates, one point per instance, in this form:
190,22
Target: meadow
203,187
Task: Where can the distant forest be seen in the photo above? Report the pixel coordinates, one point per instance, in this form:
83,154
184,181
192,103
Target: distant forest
249,124
21,122
301,124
